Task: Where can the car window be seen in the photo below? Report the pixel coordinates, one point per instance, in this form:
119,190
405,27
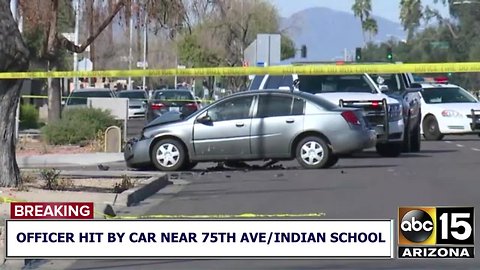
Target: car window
256,82
334,83
231,109
80,98
278,105
173,95
274,82
298,106
447,95
132,95
390,80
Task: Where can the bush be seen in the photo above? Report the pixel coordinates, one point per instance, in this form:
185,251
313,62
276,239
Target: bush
28,116
78,125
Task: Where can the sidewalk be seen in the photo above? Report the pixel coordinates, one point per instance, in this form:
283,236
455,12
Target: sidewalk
87,159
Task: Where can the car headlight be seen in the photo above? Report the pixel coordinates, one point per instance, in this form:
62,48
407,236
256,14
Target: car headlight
451,113
395,112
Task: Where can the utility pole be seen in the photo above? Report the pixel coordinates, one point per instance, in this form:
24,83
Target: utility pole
77,28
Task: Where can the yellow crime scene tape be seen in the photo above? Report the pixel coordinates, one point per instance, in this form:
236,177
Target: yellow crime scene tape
310,69
198,216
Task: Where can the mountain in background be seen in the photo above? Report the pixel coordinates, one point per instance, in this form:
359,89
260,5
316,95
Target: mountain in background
327,32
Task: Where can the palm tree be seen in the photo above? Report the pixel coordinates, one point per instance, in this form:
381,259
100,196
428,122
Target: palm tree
362,9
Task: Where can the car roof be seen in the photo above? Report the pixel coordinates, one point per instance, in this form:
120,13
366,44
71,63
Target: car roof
92,89
132,91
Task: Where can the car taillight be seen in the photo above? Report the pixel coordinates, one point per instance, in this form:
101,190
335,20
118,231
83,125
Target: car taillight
157,106
192,106
351,118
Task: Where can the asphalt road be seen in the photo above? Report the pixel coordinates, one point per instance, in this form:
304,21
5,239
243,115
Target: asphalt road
134,127
445,173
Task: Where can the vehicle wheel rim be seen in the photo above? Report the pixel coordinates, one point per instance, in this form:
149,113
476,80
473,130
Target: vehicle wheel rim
168,155
312,153
432,127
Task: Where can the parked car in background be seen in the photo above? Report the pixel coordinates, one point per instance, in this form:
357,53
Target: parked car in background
383,112
448,109
171,100
79,97
253,125
137,102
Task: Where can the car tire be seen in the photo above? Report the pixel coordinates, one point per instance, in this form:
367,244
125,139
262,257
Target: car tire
332,161
168,155
189,165
389,149
431,131
313,153
416,140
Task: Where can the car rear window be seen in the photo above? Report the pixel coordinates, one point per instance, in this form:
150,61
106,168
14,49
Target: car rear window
80,98
132,95
334,83
173,95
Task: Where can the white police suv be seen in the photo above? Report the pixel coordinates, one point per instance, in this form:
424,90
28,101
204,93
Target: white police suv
381,111
448,109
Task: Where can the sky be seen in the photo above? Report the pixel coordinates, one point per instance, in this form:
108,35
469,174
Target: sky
388,9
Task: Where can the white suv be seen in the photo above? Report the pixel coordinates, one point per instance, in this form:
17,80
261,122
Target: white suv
381,111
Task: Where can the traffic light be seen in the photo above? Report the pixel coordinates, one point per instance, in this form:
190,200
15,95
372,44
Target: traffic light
389,54
358,54
303,51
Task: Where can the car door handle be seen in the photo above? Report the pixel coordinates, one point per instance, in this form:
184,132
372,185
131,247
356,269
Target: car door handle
240,124
289,121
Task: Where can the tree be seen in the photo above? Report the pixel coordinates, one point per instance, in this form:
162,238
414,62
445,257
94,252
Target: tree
42,17
14,55
363,9
288,49
218,32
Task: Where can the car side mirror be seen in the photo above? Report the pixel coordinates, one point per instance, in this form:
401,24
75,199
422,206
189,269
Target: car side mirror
384,88
415,87
206,119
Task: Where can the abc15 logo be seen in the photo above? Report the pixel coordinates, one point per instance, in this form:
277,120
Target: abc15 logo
436,226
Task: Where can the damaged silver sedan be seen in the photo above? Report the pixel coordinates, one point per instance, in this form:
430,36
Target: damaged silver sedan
253,125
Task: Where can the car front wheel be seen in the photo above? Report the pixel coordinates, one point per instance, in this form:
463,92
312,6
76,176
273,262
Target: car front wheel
431,130
416,140
314,153
168,155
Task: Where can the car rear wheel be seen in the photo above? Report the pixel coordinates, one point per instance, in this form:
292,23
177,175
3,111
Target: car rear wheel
389,149
313,153
168,155
431,130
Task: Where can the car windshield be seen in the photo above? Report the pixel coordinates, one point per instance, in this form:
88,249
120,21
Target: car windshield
334,83
173,95
447,95
132,95
80,98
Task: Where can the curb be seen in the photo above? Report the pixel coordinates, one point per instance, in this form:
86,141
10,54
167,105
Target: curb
136,195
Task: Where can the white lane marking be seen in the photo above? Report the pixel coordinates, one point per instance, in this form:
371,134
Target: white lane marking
476,149
448,142
459,145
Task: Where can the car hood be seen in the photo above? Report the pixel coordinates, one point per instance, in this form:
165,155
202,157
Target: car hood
336,97
168,117
463,108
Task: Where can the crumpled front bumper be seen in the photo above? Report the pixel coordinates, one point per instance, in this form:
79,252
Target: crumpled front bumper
137,152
